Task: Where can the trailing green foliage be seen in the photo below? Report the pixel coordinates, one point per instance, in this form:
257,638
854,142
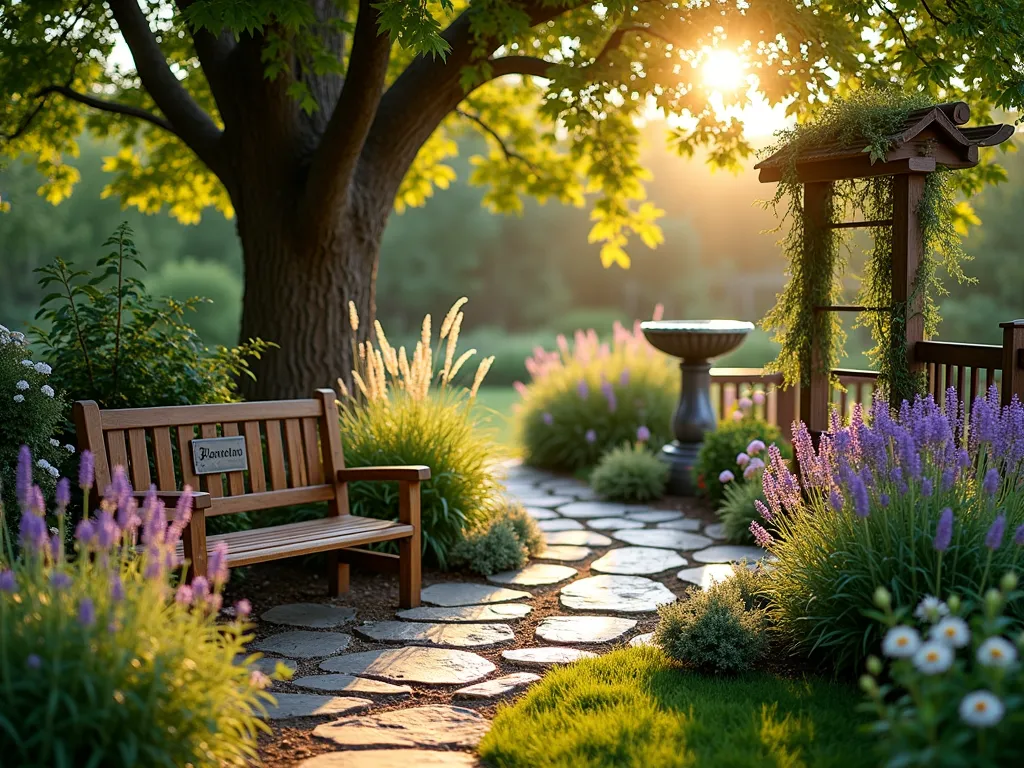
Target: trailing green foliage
721,448
630,473
124,349
503,543
713,629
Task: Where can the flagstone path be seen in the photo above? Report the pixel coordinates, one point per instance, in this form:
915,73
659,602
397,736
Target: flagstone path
606,569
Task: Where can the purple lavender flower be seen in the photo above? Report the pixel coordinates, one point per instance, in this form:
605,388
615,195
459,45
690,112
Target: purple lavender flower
643,434
217,563
85,533
32,534
609,395
23,478
836,500
1018,536
32,661
761,536
591,436
624,378
926,487
991,482
200,588
107,532
548,419
36,502
85,470
56,547
127,514
944,530
86,612
861,502
8,581
883,500
948,478
60,580
583,390
184,595
63,495
116,589
766,514
994,537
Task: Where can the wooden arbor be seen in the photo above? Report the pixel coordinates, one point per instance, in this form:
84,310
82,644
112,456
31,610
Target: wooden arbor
930,139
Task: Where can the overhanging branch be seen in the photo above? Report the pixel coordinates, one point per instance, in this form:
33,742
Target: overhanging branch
510,154
105,105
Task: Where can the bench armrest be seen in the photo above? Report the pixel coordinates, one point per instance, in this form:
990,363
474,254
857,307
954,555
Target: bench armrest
200,499
410,474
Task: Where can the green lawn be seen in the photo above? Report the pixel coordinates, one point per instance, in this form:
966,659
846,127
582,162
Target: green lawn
634,709
496,404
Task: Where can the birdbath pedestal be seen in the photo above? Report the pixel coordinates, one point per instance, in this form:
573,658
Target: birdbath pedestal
696,343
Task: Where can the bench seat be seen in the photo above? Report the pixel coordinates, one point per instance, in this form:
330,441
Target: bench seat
305,538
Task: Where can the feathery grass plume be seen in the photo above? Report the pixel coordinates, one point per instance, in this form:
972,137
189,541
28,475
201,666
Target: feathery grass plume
450,317
460,362
342,388
353,316
485,365
449,353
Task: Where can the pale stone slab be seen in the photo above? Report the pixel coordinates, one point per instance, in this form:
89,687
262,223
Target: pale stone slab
413,664
462,593
534,575
561,524
585,510
637,561
577,539
267,665
432,727
314,705
548,502
583,629
728,553
621,594
349,684
391,758
565,554
641,640
655,515
448,635
665,538
686,524
704,576
467,613
545,657
302,644
499,686
615,523
309,615
539,513
715,531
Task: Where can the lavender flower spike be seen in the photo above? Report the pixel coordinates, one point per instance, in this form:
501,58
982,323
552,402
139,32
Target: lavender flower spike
761,536
1018,536
85,470
23,479
86,612
63,495
944,531
991,482
994,537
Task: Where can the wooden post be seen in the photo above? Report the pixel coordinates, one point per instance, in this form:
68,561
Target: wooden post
815,395
907,254
1013,360
410,549
785,410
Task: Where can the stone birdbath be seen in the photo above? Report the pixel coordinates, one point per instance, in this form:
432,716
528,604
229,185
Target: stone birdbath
696,343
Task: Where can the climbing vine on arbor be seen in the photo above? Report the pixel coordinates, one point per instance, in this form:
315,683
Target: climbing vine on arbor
817,254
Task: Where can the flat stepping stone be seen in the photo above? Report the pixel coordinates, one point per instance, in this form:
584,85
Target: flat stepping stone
581,492
546,657
461,593
539,513
432,727
534,575
565,554
467,613
583,629
615,523
267,664
350,684
637,561
449,635
309,615
715,531
499,686
642,640
414,664
655,515
621,594
548,502
685,524
313,705
577,539
704,576
301,644
391,758
560,524
728,553
665,538
592,509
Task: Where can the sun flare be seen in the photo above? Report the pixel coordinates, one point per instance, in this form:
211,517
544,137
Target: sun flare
722,70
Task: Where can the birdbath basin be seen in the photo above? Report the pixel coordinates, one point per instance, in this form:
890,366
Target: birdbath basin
695,343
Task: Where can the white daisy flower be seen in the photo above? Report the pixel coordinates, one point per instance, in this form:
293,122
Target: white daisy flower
47,390
933,657
901,642
28,363
19,398
43,368
953,631
981,709
997,652
54,442
931,609
22,385
69,448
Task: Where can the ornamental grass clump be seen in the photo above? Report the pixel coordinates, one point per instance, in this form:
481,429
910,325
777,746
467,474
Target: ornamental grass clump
406,410
102,661
630,473
589,396
952,691
921,502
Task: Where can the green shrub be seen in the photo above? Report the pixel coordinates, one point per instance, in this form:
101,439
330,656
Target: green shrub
737,511
721,448
630,473
503,543
123,348
589,397
397,416
104,664
713,630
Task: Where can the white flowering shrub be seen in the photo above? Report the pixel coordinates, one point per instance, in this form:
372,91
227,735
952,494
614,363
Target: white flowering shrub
31,413
953,693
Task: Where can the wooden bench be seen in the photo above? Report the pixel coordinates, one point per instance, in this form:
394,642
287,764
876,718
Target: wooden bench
293,455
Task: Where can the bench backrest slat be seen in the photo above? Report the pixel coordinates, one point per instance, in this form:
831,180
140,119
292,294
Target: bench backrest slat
293,448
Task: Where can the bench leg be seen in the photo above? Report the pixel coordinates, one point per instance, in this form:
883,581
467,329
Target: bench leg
193,541
337,575
409,550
